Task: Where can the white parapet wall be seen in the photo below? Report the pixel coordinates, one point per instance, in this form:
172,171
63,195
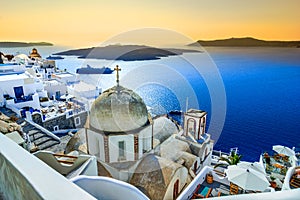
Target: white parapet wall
187,193
24,176
108,188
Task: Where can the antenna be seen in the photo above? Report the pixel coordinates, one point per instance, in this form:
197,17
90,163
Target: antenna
186,104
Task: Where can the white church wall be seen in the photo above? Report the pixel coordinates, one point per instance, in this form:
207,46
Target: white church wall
141,147
145,139
144,143
95,144
114,148
101,146
181,174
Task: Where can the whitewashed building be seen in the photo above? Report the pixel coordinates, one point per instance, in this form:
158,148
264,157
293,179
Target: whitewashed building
20,89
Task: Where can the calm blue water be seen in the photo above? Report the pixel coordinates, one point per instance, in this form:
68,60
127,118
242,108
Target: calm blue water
262,91
263,98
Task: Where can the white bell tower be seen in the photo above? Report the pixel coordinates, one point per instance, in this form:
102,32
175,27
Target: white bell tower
195,123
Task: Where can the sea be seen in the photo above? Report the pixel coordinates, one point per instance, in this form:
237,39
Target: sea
251,95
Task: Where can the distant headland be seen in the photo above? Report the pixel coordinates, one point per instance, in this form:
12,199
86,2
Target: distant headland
124,52
246,42
24,44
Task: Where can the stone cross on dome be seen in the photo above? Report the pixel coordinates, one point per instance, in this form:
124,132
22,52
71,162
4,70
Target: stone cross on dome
117,69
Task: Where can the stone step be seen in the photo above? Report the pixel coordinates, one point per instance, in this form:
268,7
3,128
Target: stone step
48,144
36,134
37,137
33,132
26,129
42,140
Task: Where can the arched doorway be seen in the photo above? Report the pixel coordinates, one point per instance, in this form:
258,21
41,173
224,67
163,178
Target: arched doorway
191,127
176,189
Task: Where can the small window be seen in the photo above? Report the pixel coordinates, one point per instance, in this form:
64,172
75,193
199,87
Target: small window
122,150
77,121
56,128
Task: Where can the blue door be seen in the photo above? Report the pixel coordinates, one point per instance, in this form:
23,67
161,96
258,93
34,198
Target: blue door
19,92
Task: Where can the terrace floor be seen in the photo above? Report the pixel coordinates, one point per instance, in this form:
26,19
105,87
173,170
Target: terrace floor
217,187
220,189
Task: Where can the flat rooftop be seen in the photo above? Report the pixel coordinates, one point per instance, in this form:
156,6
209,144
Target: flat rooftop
12,77
63,75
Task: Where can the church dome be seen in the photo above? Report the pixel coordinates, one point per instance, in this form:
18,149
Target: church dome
34,54
118,109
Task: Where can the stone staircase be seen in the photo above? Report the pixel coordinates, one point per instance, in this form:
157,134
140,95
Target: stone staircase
40,139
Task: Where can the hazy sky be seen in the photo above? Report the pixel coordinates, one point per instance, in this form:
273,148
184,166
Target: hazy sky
88,22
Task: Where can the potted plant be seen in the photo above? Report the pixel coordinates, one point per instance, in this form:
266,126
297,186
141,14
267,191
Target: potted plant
233,159
209,178
273,183
283,171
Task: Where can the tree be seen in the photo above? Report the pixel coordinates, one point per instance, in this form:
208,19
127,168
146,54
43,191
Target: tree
233,159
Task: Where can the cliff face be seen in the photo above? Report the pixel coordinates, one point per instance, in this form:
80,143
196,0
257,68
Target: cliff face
24,44
125,52
246,42
1,61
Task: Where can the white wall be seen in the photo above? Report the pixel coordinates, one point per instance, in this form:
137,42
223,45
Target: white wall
24,176
52,89
96,144
29,86
7,87
114,147
35,103
92,141
145,141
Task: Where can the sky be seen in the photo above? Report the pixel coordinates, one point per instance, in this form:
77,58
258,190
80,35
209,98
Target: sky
89,22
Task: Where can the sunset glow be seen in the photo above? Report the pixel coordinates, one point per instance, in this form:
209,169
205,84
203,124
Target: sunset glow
85,23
